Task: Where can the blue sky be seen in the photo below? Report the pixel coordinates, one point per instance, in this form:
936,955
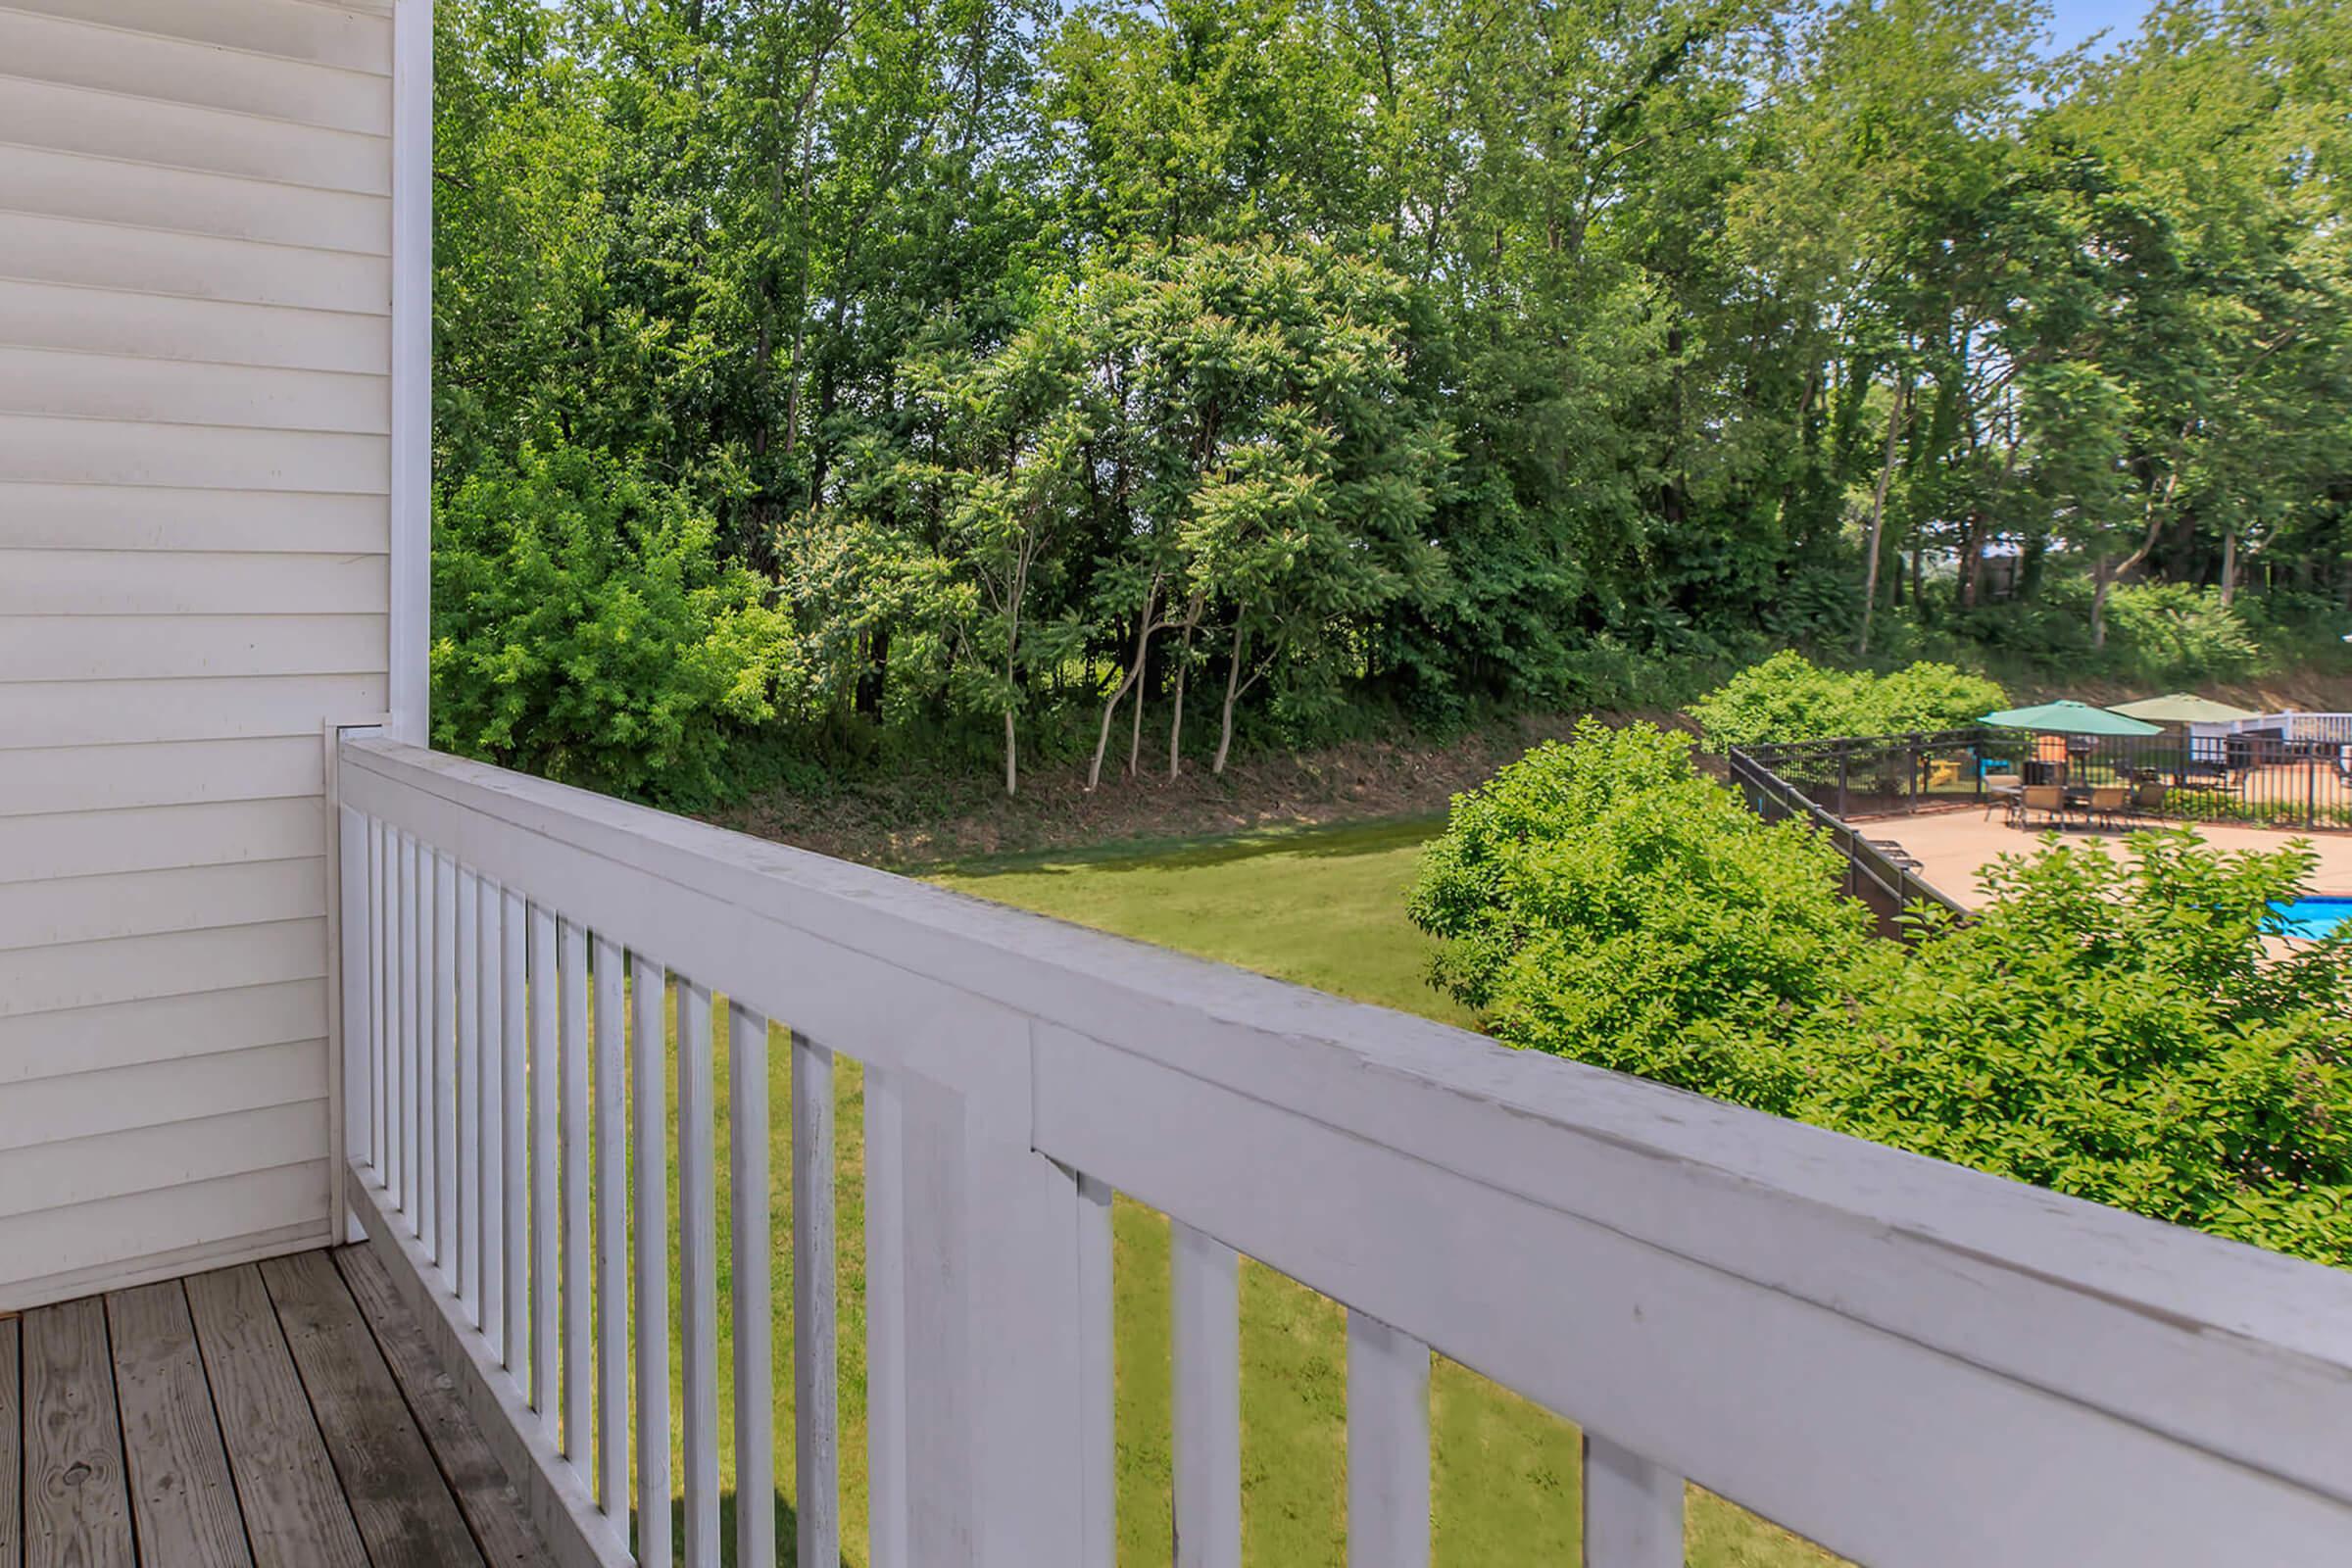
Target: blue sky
2072,20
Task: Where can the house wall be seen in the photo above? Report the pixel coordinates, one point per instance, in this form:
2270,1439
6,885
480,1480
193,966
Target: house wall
195,284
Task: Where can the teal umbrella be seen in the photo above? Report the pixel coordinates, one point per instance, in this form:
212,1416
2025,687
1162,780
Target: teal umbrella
2070,717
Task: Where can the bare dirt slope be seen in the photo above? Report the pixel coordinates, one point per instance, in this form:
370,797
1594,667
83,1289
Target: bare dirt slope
927,821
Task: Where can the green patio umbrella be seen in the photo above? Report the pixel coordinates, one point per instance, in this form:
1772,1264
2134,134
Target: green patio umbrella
2182,707
2070,717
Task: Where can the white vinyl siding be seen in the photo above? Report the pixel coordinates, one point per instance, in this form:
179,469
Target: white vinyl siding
195,418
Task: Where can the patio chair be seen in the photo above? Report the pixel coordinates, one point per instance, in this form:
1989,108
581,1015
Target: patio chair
2047,799
2148,798
2107,802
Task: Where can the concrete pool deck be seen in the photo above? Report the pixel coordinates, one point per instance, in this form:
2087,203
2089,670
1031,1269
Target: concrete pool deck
1953,846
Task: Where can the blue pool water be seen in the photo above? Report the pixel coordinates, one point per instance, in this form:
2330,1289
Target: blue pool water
2315,916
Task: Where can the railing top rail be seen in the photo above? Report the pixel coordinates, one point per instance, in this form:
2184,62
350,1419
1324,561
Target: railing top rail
1900,885
1738,1219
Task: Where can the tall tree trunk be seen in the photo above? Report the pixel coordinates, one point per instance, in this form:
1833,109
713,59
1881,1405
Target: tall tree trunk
2103,577
1233,685
1133,678
1184,655
2229,566
1877,513
1135,730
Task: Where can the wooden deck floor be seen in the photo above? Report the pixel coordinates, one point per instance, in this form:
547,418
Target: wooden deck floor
285,1414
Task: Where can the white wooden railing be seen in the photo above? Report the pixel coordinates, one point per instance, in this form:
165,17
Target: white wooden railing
1909,1363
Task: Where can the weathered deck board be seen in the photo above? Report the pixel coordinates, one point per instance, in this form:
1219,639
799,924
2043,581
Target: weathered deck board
486,1497
295,1514
77,1511
404,1508
12,1459
181,1497
288,1414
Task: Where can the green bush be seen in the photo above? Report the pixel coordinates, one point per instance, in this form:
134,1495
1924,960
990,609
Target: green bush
582,629
2173,634
2116,1030
1604,900
1789,698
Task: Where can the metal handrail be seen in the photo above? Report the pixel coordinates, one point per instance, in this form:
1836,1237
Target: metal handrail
1899,884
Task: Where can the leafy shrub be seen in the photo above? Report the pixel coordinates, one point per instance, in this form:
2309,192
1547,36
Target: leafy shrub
2169,633
2116,1030
1604,900
583,629
1789,698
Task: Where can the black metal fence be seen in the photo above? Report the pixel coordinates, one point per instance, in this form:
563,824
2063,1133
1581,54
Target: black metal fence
2262,778
1877,871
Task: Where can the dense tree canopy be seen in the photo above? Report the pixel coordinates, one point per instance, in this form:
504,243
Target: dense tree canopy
1049,360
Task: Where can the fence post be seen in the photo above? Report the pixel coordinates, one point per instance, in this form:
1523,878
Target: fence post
994,1330
1841,751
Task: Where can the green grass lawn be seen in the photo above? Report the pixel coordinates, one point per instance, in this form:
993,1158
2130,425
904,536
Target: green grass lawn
1324,908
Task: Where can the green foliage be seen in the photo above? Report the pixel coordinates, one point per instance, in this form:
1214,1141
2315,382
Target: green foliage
2176,634
1212,441
2120,1030
2116,1030
1602,899
1017,338
582,625
1787,698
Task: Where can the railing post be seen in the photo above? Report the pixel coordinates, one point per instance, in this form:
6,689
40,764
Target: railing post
993,1341
1841,752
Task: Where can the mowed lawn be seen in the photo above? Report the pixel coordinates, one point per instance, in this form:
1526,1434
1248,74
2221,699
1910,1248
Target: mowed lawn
1322,907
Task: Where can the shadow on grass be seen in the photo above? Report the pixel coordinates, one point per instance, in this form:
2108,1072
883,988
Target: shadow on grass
788,1531
1342,842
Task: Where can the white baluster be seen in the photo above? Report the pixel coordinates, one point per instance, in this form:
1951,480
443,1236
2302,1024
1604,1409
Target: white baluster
1633,1509
885,1321
751,1229
405,994
544,988
376,1002
490,1211
648,1046
612,1233
1208,1400
698,1248
572,1147
1388,1446
354,895
514,1032
465,1221
814,1343
443,1165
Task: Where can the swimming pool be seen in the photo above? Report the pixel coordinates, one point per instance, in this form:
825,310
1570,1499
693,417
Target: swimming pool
2315,916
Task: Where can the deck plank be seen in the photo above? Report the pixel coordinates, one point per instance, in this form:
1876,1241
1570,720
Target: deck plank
76,1510
295,1515
488,1499
182,1499
404,1508
12,1454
